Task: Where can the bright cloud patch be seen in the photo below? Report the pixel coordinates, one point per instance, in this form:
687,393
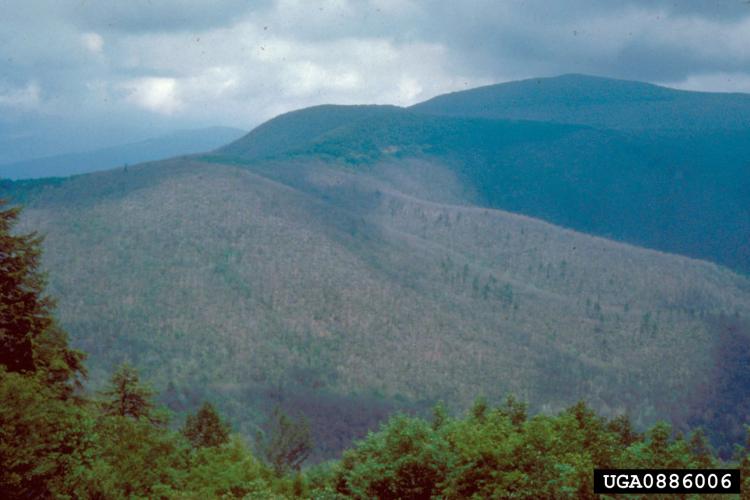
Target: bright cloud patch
154,94
93,42
250,72
717,82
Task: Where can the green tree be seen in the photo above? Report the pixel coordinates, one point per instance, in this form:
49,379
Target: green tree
657,445
206,428
135,459
126,396
285,443
229,471
45,435
485,458
439,415
45,442
406,459
29,337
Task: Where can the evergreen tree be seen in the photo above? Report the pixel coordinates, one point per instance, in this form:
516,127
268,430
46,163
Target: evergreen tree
43,433
45,441
128,397
206,428
29,338
439,415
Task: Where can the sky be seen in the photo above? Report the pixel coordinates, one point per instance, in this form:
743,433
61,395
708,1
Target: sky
77,75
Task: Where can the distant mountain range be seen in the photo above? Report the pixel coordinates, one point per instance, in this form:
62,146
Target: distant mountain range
178,143
347,261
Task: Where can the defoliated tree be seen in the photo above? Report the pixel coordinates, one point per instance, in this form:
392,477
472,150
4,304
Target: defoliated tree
623,429
126,396
515,410
480,408
205,428
286,442
700,449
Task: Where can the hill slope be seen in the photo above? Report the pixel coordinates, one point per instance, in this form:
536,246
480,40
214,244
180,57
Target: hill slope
687,194
348,261
347,294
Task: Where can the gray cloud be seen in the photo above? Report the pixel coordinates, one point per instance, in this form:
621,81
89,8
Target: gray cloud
132,68
140,16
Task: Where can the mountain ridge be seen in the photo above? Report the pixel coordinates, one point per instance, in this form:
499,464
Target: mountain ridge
679,192
372,260
575,98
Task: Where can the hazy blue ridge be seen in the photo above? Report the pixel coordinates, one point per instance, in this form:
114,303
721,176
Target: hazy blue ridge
158,148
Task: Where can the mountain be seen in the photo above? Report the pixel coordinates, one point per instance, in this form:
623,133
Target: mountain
297,129
177,143
598,102
348,262
685,193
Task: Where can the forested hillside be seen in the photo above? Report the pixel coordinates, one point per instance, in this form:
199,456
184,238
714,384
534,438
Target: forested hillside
342,296
683,191
348,262
59,441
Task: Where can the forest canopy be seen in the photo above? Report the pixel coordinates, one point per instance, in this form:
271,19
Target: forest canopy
59,441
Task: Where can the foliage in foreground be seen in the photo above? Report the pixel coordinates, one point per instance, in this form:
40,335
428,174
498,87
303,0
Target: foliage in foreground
58,442
54,448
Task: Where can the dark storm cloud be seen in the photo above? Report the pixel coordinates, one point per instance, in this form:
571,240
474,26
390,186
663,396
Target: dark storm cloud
139,65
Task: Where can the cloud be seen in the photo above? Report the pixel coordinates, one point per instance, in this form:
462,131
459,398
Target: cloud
247,72
93,42
187,63
715,82
151,16
154,94
27,97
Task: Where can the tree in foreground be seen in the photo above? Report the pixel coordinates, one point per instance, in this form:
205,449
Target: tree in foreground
206,428
30,341
407,458
24,311
44,440
43,431
126,396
